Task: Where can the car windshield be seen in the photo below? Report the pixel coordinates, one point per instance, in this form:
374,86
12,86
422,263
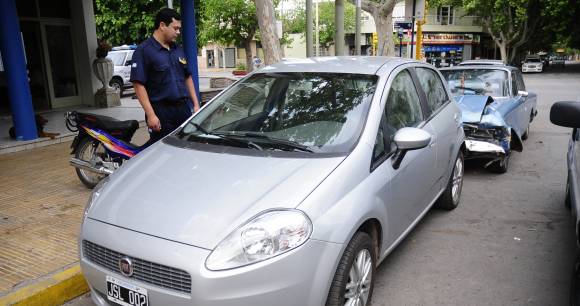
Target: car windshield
533,60
489,82
317,112
117,58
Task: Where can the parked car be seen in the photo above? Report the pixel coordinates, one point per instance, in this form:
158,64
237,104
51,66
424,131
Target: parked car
533,63
121,57
558,61
567,114
288,188
496,111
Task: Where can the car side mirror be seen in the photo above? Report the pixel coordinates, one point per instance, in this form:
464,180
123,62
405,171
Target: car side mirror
128,63
523,93
407,139
566,114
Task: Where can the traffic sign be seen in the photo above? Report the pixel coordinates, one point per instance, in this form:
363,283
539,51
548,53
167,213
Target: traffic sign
403,25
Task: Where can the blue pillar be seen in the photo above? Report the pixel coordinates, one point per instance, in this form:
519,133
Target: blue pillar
15,70
190,41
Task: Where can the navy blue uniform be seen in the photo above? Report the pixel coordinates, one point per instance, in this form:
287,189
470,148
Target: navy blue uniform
163,73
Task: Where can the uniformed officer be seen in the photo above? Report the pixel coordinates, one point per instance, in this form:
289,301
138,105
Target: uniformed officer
161,78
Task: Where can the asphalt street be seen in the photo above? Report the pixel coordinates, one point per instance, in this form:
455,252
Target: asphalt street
511,240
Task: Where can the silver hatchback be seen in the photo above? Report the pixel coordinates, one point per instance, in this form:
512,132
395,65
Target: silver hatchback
289,188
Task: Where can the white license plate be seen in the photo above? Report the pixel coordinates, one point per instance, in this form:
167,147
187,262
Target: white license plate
126,294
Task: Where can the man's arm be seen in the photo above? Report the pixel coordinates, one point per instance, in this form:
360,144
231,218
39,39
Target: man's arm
152,120
191,89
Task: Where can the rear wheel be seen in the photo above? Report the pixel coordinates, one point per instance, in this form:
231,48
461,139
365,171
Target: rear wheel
93,152
354,278
526,133
449,200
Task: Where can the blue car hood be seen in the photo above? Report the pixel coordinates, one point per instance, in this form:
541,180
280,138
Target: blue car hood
473,107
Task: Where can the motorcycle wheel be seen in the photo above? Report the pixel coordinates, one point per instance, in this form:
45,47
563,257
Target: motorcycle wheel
91,151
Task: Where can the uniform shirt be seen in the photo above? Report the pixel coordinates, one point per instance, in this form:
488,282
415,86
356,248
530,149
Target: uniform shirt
161,71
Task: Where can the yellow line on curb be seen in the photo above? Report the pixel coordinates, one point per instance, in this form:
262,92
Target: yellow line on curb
55,290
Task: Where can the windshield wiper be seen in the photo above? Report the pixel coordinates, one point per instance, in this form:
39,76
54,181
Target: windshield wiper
223,136
469,88
281,144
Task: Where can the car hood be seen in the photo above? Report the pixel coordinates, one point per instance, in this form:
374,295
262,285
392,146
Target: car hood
198,197
473,107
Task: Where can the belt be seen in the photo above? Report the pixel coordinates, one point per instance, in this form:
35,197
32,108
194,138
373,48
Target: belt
177,102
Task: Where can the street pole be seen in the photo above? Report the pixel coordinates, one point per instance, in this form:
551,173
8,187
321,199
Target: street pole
400,34
412,29
170,4
309,28
358,29
317,51
339,24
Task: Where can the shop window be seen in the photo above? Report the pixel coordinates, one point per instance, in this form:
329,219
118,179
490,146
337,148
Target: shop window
445,15
26,8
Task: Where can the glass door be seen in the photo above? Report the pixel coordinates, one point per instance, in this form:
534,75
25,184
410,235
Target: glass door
62,71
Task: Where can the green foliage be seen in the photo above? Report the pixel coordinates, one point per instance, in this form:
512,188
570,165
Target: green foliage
228,22
296,21
129,21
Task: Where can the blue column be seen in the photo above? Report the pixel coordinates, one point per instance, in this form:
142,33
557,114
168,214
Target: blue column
15,70
190,40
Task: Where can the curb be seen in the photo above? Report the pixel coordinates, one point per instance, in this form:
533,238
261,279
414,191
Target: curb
55,290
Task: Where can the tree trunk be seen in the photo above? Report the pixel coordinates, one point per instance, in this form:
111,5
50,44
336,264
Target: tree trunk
384,26
249,55
503,51
268,35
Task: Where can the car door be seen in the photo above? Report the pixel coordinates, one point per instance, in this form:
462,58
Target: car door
405,190
518,118
442,121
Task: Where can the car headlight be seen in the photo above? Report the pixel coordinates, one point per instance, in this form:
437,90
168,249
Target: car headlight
95,195
269,234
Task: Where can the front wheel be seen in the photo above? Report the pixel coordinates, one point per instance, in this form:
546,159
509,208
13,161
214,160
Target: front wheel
354,278
93,152
449,200
117,85
501,165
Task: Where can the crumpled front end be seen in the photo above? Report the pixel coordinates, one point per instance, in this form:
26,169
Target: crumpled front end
483,141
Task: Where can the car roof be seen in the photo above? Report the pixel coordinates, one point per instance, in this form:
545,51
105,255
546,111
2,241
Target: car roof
482,62
335,64
495,67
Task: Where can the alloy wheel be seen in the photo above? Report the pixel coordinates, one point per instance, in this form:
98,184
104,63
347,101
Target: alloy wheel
360,277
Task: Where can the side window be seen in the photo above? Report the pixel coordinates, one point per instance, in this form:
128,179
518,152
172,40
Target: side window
128,59
433,88
379,148
514,85
403,108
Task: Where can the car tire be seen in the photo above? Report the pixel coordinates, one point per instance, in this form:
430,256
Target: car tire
501,166
568,200
450,198
575,283
360,254
526,133
117,84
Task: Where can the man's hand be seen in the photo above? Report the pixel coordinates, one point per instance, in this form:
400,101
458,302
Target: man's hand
195,108
153,122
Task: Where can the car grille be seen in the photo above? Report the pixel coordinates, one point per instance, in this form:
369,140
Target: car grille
145,271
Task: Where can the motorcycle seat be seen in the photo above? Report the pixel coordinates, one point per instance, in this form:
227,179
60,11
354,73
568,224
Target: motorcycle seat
108,123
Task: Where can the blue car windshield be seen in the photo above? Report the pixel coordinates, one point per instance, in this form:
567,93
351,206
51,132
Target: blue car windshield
488,82
324,112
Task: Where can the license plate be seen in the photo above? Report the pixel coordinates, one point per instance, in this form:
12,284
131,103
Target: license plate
126,294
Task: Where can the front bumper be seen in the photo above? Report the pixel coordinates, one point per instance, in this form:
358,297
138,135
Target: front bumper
299,277
482,149
535,69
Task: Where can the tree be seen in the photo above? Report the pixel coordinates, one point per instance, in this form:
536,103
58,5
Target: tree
268,35
326,10
382,12
230,22
512,23
129,22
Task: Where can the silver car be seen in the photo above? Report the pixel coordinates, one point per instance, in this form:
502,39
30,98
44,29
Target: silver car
289,188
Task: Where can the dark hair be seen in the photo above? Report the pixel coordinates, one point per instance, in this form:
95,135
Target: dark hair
166,15
103,48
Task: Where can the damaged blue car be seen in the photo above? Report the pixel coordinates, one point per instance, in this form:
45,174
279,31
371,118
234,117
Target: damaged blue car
496,111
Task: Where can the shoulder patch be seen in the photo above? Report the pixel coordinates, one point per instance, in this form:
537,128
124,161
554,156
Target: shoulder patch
182,60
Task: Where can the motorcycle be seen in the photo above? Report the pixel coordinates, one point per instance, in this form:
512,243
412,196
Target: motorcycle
101,145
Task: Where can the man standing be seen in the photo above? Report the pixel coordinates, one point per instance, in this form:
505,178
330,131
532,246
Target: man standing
161,78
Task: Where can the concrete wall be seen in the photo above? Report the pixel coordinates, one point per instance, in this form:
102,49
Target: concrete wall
85,44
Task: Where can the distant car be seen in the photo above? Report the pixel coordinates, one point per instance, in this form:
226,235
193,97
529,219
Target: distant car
121,57
496,111
558,61
481,62
288,188
567,114
533,63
